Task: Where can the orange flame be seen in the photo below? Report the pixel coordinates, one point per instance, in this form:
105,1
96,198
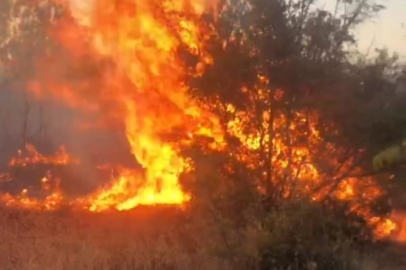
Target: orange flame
52,201
31,156
139,81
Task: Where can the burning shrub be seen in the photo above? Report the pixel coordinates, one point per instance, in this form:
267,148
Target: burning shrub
247,233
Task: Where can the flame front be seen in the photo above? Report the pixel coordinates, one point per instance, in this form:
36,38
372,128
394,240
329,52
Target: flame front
52,200
144,47
141,86
31,156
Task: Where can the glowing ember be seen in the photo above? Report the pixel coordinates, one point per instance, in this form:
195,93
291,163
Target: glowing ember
399,232
383,226
401,236
52,201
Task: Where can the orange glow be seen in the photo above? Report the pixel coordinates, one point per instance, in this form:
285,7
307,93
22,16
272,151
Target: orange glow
346,191
123,57
121,62
383,226
30,156
359,193
52,201
399,234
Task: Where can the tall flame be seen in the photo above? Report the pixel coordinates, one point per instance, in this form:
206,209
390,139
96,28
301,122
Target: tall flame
127,53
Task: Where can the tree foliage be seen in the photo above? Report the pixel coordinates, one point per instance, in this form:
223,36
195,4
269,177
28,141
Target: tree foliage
23,26
285,69
389,157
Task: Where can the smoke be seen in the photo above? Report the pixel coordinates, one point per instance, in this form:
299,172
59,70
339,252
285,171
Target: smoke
48,125
29,117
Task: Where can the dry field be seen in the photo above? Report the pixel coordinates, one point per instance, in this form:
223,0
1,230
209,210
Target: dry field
145,238
65,240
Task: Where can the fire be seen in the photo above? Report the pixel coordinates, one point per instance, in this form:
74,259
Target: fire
121,63
384,227
401,236
31,157
398,218
49,184
129,190
144,49
346,191
23,200
359,193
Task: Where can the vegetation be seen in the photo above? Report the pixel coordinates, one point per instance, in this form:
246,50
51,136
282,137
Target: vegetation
161,239
310,113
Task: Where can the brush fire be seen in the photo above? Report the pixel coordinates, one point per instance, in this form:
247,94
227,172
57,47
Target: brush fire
119,63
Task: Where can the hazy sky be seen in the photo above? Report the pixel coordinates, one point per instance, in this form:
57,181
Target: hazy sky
385,30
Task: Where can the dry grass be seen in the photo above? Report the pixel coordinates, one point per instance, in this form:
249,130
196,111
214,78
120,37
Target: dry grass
82,241
149,239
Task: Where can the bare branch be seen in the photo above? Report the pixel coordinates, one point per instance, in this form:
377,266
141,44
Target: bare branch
26,114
